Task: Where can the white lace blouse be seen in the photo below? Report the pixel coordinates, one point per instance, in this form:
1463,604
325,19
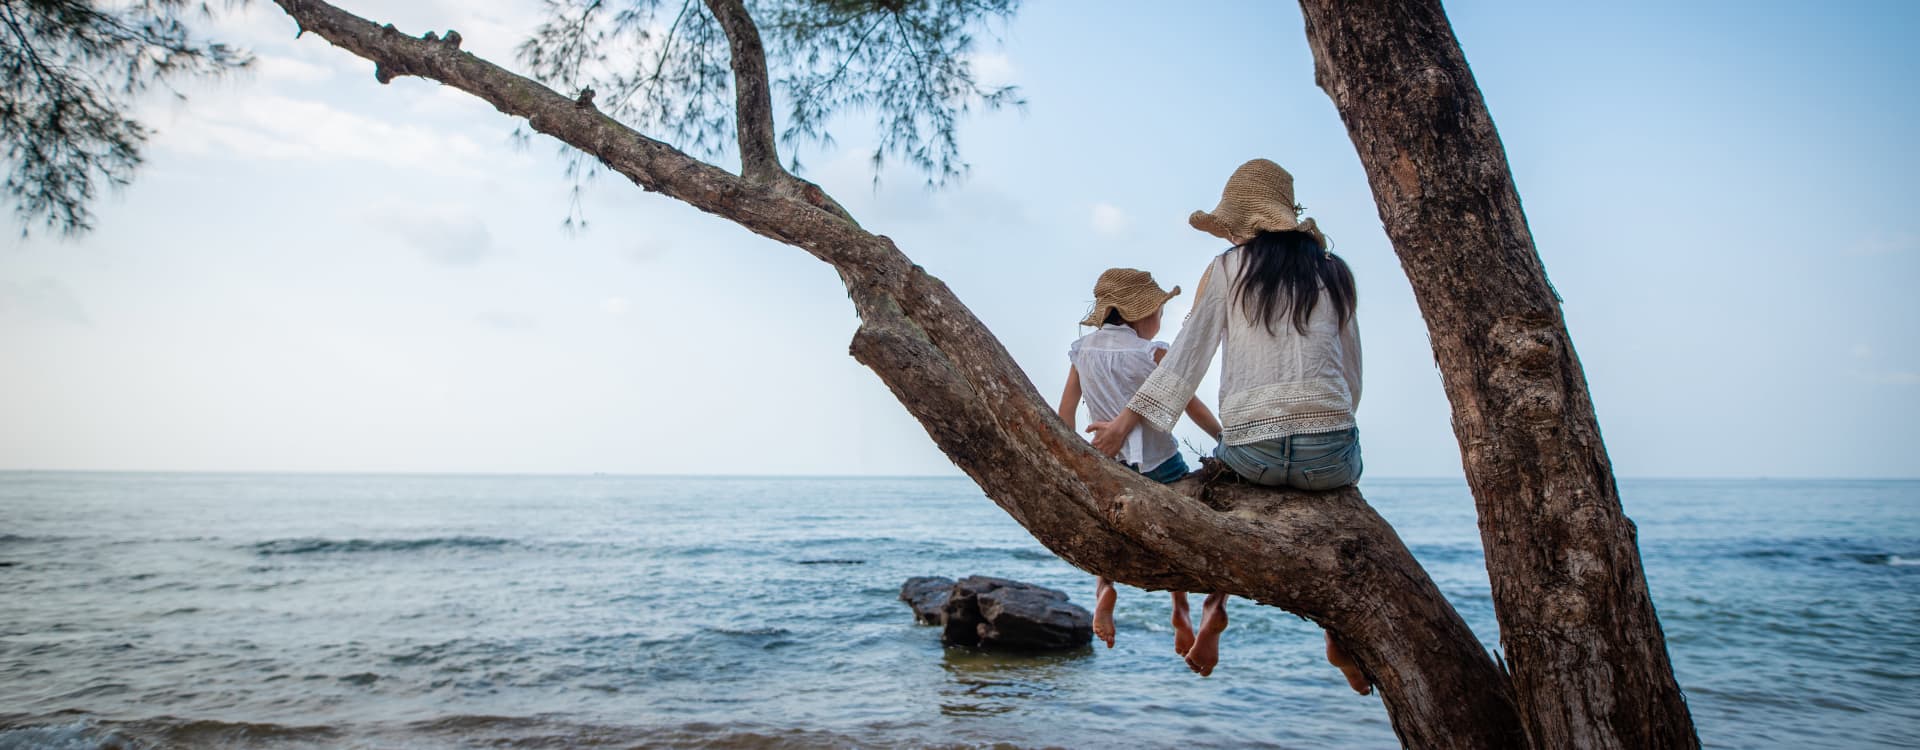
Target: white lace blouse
1271,384
1112,363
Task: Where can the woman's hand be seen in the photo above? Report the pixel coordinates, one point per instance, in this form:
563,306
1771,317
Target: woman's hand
1110,435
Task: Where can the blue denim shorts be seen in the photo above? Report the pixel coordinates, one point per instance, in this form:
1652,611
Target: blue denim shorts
1314,461
1168,472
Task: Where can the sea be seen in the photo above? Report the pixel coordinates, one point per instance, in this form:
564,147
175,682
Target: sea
428,611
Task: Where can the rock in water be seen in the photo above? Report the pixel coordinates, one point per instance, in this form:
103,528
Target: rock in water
986,612
927,595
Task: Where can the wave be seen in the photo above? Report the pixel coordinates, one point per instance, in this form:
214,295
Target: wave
79,735
542,732
1898,561
318,545
24,539
157,732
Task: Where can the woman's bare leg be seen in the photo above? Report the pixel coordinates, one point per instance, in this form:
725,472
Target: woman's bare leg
1205,653
1103,598
1182,624
1339,658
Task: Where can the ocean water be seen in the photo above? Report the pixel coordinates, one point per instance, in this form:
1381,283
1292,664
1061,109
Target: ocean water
294,611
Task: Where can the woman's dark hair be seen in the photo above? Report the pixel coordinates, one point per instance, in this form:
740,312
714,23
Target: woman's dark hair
1114,318
1283,276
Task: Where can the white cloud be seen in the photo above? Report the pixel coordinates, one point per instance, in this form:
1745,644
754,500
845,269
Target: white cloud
445,235
274,127
993,69
1108,219
647,249
45,300
503,320
615,305
274,68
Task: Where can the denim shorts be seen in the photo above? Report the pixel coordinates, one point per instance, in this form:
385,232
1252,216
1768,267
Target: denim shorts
1168,472
1314,461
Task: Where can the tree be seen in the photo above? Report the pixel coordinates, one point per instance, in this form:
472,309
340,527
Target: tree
1326,556
1589,662
68,73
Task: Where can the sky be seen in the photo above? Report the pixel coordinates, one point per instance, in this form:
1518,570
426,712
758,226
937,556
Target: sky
315,272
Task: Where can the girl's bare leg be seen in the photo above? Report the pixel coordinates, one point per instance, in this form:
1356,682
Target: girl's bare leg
1182,624
1339,658
1103,598
1205,653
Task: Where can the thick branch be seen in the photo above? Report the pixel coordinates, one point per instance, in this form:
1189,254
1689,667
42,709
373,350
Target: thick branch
753,100
1326,556
1589,662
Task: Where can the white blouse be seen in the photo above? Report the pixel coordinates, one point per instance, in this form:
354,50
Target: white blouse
1112,363
1271,384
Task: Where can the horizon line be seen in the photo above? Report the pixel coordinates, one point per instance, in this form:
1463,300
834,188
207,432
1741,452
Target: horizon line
673,475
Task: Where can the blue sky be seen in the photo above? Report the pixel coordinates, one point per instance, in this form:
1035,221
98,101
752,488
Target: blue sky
315,272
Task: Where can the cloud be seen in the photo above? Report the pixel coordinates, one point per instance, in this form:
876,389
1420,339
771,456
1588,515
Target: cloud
45,300
503,320
615,305
646,250
992,69
448,236
273,127
274,68
1108,219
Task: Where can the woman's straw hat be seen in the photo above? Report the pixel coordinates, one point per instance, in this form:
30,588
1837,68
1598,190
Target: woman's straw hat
1258,198
1131,291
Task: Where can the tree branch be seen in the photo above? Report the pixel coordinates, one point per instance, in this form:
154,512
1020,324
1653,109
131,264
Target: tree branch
1325,556
753,99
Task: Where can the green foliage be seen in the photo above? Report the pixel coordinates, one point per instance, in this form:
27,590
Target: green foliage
69,72
663,66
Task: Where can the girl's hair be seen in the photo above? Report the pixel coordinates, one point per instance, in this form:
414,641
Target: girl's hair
1283,276
1114,318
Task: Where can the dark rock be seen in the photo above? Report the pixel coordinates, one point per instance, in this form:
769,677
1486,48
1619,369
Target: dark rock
927,595
986,612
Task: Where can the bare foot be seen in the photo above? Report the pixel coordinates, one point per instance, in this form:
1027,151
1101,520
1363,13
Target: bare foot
1205,653
1182,624
1103,598
1340,658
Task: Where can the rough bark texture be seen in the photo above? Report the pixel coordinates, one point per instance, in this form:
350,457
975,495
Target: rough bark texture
1589,662
1326,556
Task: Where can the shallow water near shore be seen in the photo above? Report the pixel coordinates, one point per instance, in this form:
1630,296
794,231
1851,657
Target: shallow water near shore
292,611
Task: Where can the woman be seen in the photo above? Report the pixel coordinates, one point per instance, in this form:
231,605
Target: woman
1282,307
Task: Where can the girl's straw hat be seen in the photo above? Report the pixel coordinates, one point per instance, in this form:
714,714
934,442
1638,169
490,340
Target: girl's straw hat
1258,198
1131,291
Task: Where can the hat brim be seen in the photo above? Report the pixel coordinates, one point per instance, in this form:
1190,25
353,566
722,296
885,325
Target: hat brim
1098,315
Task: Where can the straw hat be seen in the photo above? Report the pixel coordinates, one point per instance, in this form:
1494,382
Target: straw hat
1258,198
1131,291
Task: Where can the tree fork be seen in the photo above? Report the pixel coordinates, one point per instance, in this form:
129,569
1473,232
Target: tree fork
1325,556
1590,664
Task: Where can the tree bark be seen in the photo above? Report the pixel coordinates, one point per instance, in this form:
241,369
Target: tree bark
1589,662
1325,556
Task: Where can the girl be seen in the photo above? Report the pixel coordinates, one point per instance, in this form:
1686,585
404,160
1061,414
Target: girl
1283,305
1108,367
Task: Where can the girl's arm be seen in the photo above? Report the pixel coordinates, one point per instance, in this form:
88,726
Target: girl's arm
1202,416
1164,396
1070,400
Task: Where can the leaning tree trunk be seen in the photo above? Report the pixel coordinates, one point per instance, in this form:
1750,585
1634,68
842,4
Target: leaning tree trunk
1589,663
1325,556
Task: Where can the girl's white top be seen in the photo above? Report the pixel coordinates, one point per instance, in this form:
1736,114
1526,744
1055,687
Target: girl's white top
1112,363
1271,384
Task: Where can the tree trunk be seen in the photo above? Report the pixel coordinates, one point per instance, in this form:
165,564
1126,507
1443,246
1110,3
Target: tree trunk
1589,663
1325,556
